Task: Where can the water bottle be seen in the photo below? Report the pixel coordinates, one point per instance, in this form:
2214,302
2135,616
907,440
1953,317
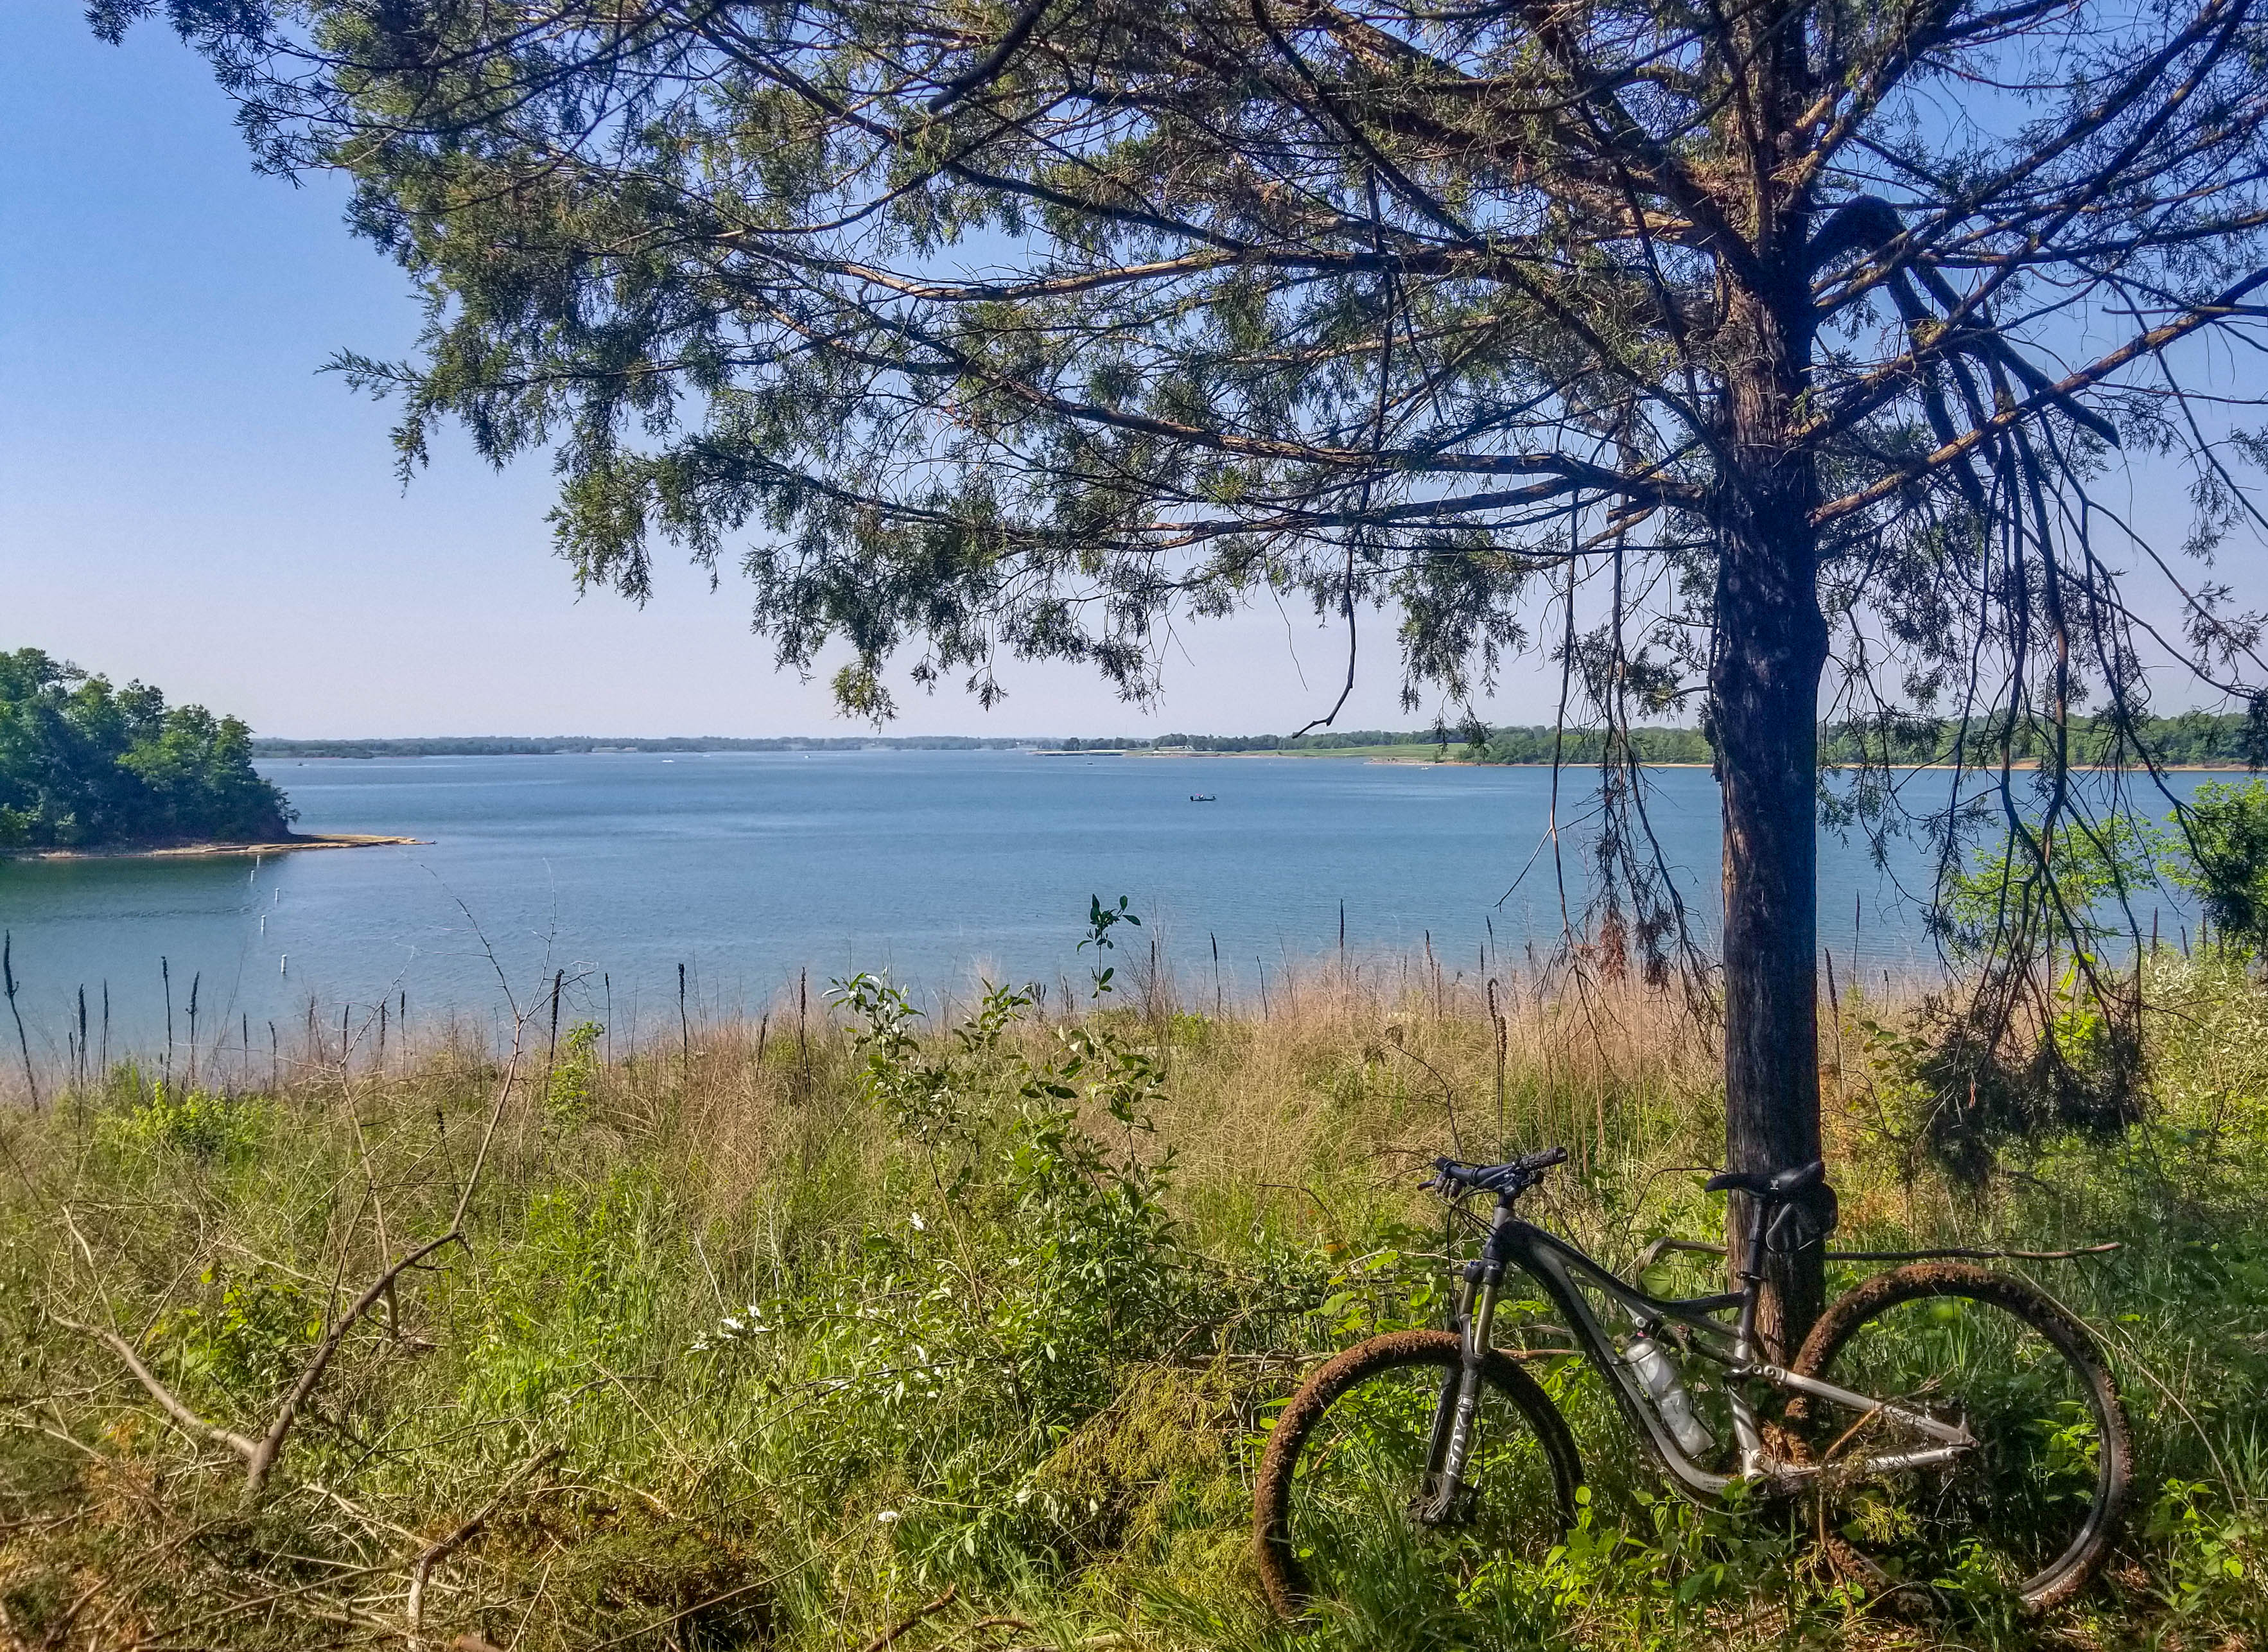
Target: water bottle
1659,1376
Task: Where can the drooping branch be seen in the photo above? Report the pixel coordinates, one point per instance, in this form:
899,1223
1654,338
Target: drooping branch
2227,303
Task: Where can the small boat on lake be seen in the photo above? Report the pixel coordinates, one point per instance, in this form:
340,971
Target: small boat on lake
1203,797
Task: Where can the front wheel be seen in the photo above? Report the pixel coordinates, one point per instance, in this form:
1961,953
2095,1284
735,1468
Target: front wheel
2031,1509
1347,1492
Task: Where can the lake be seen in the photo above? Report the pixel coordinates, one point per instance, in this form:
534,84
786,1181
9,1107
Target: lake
750,868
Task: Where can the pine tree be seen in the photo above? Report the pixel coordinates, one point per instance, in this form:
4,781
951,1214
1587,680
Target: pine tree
1757,335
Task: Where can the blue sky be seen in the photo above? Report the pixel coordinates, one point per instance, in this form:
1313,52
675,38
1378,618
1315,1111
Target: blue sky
184,497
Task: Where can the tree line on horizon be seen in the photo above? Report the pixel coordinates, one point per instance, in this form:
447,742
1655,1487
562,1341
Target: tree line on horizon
2188,738
2231,738
85,765
554,745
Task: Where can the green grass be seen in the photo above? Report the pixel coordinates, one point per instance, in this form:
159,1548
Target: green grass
763,1348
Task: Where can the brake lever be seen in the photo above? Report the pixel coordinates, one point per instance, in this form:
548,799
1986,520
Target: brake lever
1438,1181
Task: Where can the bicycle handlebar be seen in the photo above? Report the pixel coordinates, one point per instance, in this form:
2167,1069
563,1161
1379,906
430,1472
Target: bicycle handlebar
1455,1180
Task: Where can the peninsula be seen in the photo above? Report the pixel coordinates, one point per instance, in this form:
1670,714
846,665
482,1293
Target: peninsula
212,849
90,769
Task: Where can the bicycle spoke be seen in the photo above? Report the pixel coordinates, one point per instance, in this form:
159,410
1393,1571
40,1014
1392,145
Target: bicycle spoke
1354,1506
2021,1511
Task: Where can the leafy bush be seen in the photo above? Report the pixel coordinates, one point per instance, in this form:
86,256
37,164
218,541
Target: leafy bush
2221,857
247,1345
207,1127
2214,1554
1017,1264
573,1083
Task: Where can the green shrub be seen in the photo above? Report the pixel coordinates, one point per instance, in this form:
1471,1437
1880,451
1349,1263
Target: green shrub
574,1078
2219,853
209,1127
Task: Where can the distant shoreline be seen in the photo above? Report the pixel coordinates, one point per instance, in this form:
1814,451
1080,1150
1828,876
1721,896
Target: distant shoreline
214,850
1374,754
1407,753
2191,742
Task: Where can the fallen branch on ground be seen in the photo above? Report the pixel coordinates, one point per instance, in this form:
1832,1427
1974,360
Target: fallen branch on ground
260,1455
189,1421
440,1549
906,1623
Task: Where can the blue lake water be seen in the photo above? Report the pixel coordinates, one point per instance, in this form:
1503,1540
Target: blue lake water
749,868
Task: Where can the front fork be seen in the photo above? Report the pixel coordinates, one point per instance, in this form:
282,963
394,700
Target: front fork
1450,1443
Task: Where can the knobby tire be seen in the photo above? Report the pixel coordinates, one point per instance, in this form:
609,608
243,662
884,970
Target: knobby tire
1282,1574
1846,1321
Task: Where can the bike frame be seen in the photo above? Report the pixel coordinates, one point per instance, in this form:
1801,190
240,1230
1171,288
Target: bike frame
1565,1272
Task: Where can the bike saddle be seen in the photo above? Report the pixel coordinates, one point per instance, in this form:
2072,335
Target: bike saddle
1787,1185
1515,1176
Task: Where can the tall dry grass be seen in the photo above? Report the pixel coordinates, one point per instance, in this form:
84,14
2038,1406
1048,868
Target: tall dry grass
755,1342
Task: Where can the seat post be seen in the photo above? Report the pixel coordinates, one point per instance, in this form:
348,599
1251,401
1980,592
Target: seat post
1749,1271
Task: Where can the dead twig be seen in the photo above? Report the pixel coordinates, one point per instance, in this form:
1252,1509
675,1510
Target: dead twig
435,1553
7,970
189,1421
177,1632
918,1613
263,1455
983,1624
260,1455
58,1631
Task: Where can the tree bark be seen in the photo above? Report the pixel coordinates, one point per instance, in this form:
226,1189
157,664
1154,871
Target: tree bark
1772,648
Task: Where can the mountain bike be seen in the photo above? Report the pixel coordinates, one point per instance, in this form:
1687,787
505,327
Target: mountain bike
1953,1428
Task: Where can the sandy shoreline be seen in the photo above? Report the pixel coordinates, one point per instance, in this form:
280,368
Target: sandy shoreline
204,852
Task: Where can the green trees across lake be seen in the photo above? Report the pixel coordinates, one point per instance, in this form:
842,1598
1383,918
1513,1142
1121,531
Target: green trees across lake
2231,738
83,764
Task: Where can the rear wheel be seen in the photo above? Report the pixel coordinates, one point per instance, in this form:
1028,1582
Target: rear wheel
1345,1484
2032,1510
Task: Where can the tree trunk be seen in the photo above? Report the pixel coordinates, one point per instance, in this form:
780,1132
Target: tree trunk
1771,646
1771,649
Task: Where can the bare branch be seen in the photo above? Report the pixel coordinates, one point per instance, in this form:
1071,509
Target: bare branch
262,1459
421,1569
189,1421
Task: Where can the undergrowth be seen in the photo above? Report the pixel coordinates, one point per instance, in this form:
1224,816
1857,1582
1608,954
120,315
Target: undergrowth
754,1343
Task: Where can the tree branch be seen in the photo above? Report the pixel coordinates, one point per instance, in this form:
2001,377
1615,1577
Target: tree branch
271,1444
422,1570
260,1455
2086,378
189,1421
